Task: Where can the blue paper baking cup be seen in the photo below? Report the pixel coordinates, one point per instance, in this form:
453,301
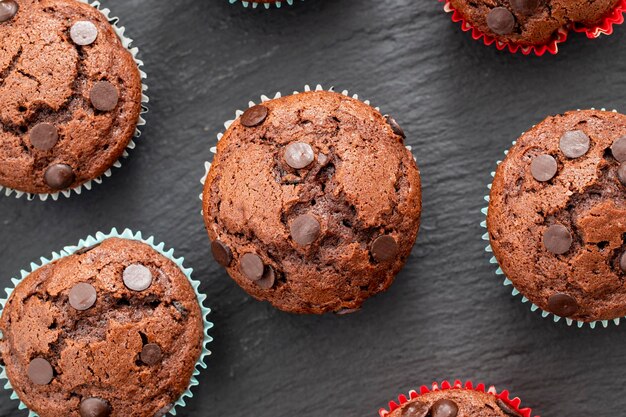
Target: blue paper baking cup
159,247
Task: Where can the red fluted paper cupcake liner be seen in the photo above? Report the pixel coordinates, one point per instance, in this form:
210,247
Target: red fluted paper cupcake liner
514,403
616,17
539,50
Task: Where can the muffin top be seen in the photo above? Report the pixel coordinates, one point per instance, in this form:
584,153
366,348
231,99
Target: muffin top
70,94
531,22
557,215
313,202
456,403
112,330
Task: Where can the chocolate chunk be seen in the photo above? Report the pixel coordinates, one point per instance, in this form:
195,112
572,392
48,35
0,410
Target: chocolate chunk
163,411
574,144
254,116
395,127
268,280
501,21
151,354
104,96
252,266
557,239
59,176
543,167
305,229
83,296
562,305
507,409
137,277
8,9
44,136
619,149
299,155
95,407
384,248
415,409
40,371
622,262
444,408
621,173
83,33
221,253
525,7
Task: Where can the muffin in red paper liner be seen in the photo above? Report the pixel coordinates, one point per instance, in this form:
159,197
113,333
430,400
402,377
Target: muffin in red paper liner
605,27
456,400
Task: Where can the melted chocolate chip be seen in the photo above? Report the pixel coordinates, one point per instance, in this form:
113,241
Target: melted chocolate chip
305,229
543,167
299,155
137,277
415,409
83,33
254,116
384,248
557,239
621,173
83,296
252,266
151,354
622,262
268,280
40,371
501,21
619,149
525,7
444,408
395,127
507,409
221,253
8,9
104,96
95,407
44,136
59,176
574,144
562,305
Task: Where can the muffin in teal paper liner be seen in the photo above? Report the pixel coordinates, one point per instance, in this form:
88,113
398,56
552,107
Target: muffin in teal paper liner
112,326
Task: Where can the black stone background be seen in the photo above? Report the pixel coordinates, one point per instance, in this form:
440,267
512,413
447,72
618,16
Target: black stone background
447,315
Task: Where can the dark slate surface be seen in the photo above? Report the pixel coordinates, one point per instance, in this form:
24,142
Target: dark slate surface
447,316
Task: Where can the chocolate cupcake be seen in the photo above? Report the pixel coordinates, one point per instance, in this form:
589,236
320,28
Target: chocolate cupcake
112,329
557,216
312,202
71,94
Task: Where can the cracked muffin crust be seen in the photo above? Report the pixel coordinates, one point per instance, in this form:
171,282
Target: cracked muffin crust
456,403
531,22
557,215
313,202
70,93
112,330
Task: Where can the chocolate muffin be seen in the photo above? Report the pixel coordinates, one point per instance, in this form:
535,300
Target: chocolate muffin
112,330
557,215
313,202
70,92
531,22
456,403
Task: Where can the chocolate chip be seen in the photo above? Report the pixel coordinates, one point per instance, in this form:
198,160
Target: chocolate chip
543,167
221,253
254,116
299,155
384,248
622,262
44,136
252,266
525,7
507,409
95,407
621,173
104,96
83,296
501,21
151,354
83,33
395,127
557,239
322,159
137,277
59,176
619,149
444,408
163,411
8,9
305,229
562,305
415,409
574,144
268,280
40,371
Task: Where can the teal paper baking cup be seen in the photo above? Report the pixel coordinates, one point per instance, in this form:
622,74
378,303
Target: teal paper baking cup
515,292
254,4
99,237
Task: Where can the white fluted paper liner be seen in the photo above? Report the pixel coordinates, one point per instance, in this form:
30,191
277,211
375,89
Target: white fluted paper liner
126,42
264,98
254,4
99,237
515,291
